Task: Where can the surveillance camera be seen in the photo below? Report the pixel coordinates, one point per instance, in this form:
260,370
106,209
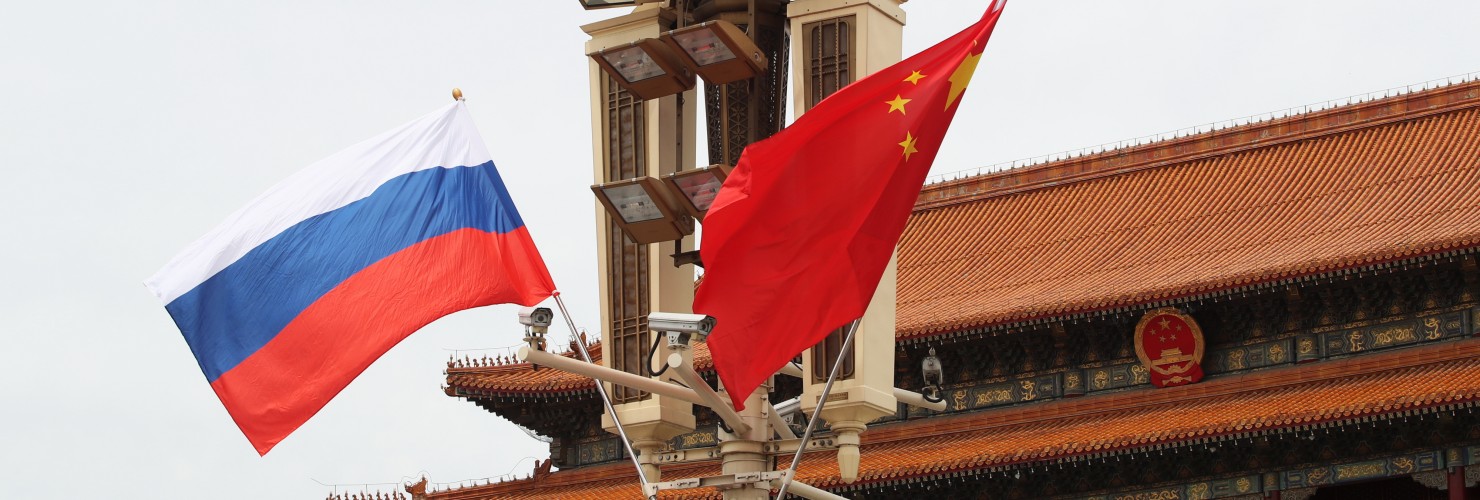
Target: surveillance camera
698,324
538,317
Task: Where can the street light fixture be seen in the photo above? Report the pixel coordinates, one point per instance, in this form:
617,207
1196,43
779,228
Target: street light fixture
718,51
697,188
644,209
607,4
647,68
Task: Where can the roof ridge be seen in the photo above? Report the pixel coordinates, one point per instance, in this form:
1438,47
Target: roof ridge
594,348
1216,141
573,477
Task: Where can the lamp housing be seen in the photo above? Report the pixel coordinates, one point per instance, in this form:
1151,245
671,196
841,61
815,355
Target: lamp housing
607,4
717,50
695,189
646,68
644,209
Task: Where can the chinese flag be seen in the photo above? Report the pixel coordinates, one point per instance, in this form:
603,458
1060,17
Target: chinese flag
797,240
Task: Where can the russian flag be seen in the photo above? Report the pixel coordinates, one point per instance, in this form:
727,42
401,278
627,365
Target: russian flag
294,295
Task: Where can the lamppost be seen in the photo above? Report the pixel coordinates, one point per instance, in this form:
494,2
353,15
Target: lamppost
645,65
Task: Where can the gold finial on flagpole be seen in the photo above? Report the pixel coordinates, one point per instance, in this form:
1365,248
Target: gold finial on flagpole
457,94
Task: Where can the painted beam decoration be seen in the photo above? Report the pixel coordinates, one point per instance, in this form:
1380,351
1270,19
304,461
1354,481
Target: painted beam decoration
1170,345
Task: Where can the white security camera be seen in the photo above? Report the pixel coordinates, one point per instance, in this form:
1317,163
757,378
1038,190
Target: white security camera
536,321
538,317
697,324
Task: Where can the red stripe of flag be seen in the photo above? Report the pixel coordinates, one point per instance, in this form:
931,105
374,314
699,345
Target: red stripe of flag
274,391
797,240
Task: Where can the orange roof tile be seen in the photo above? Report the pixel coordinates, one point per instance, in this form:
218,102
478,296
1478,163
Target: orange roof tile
1408,380
1340,188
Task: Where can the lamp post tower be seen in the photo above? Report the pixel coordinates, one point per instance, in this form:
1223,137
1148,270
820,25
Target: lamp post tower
644,112
635,138
838,42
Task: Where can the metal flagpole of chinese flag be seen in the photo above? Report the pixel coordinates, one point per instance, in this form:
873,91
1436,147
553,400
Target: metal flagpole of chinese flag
799,236
294,295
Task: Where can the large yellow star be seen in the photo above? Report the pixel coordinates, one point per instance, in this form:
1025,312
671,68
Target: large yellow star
897,104
961,77
914,77
909,146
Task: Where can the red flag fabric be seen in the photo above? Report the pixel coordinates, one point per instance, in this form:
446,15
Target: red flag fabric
797,240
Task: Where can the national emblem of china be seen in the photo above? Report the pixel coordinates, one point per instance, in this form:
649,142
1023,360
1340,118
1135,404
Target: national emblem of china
1170,344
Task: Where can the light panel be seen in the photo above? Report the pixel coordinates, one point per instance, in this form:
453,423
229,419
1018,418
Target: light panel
646,68
633,64
697,188
703,46
632,202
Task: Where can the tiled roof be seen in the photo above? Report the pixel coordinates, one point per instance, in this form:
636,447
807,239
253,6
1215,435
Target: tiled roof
520,379
1321,192
1265,202
1441,376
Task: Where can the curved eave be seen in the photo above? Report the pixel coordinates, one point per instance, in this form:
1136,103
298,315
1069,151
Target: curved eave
1277,401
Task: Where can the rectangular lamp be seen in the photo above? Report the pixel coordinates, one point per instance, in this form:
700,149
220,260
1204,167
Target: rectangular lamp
697,188
718,51
647,68
644,209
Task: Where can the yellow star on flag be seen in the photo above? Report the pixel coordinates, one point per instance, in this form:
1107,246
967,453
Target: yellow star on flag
961,77
914,77
897,104
909,146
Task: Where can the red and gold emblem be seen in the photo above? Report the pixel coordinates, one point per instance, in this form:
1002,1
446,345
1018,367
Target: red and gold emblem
1170,344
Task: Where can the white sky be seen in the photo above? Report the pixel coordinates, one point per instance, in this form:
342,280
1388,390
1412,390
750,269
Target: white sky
128,129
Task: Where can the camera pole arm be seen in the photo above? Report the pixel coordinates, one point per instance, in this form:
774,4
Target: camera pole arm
711,398
604,374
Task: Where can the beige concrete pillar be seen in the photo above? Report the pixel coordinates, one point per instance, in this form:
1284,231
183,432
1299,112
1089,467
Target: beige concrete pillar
836,42
628,138
745,452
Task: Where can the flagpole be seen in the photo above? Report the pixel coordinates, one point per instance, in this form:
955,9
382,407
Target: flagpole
817,412
580,343
607,402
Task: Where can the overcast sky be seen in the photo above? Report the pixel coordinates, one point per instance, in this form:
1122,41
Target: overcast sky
129,129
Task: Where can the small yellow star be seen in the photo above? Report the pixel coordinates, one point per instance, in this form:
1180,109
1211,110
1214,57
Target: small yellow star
909,146
961,77
914,77
897,104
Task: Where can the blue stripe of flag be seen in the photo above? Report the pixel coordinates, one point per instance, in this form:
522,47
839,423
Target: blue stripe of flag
238,310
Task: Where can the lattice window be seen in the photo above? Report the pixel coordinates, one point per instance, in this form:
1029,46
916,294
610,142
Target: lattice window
628,283
829,46
826,351
829,51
